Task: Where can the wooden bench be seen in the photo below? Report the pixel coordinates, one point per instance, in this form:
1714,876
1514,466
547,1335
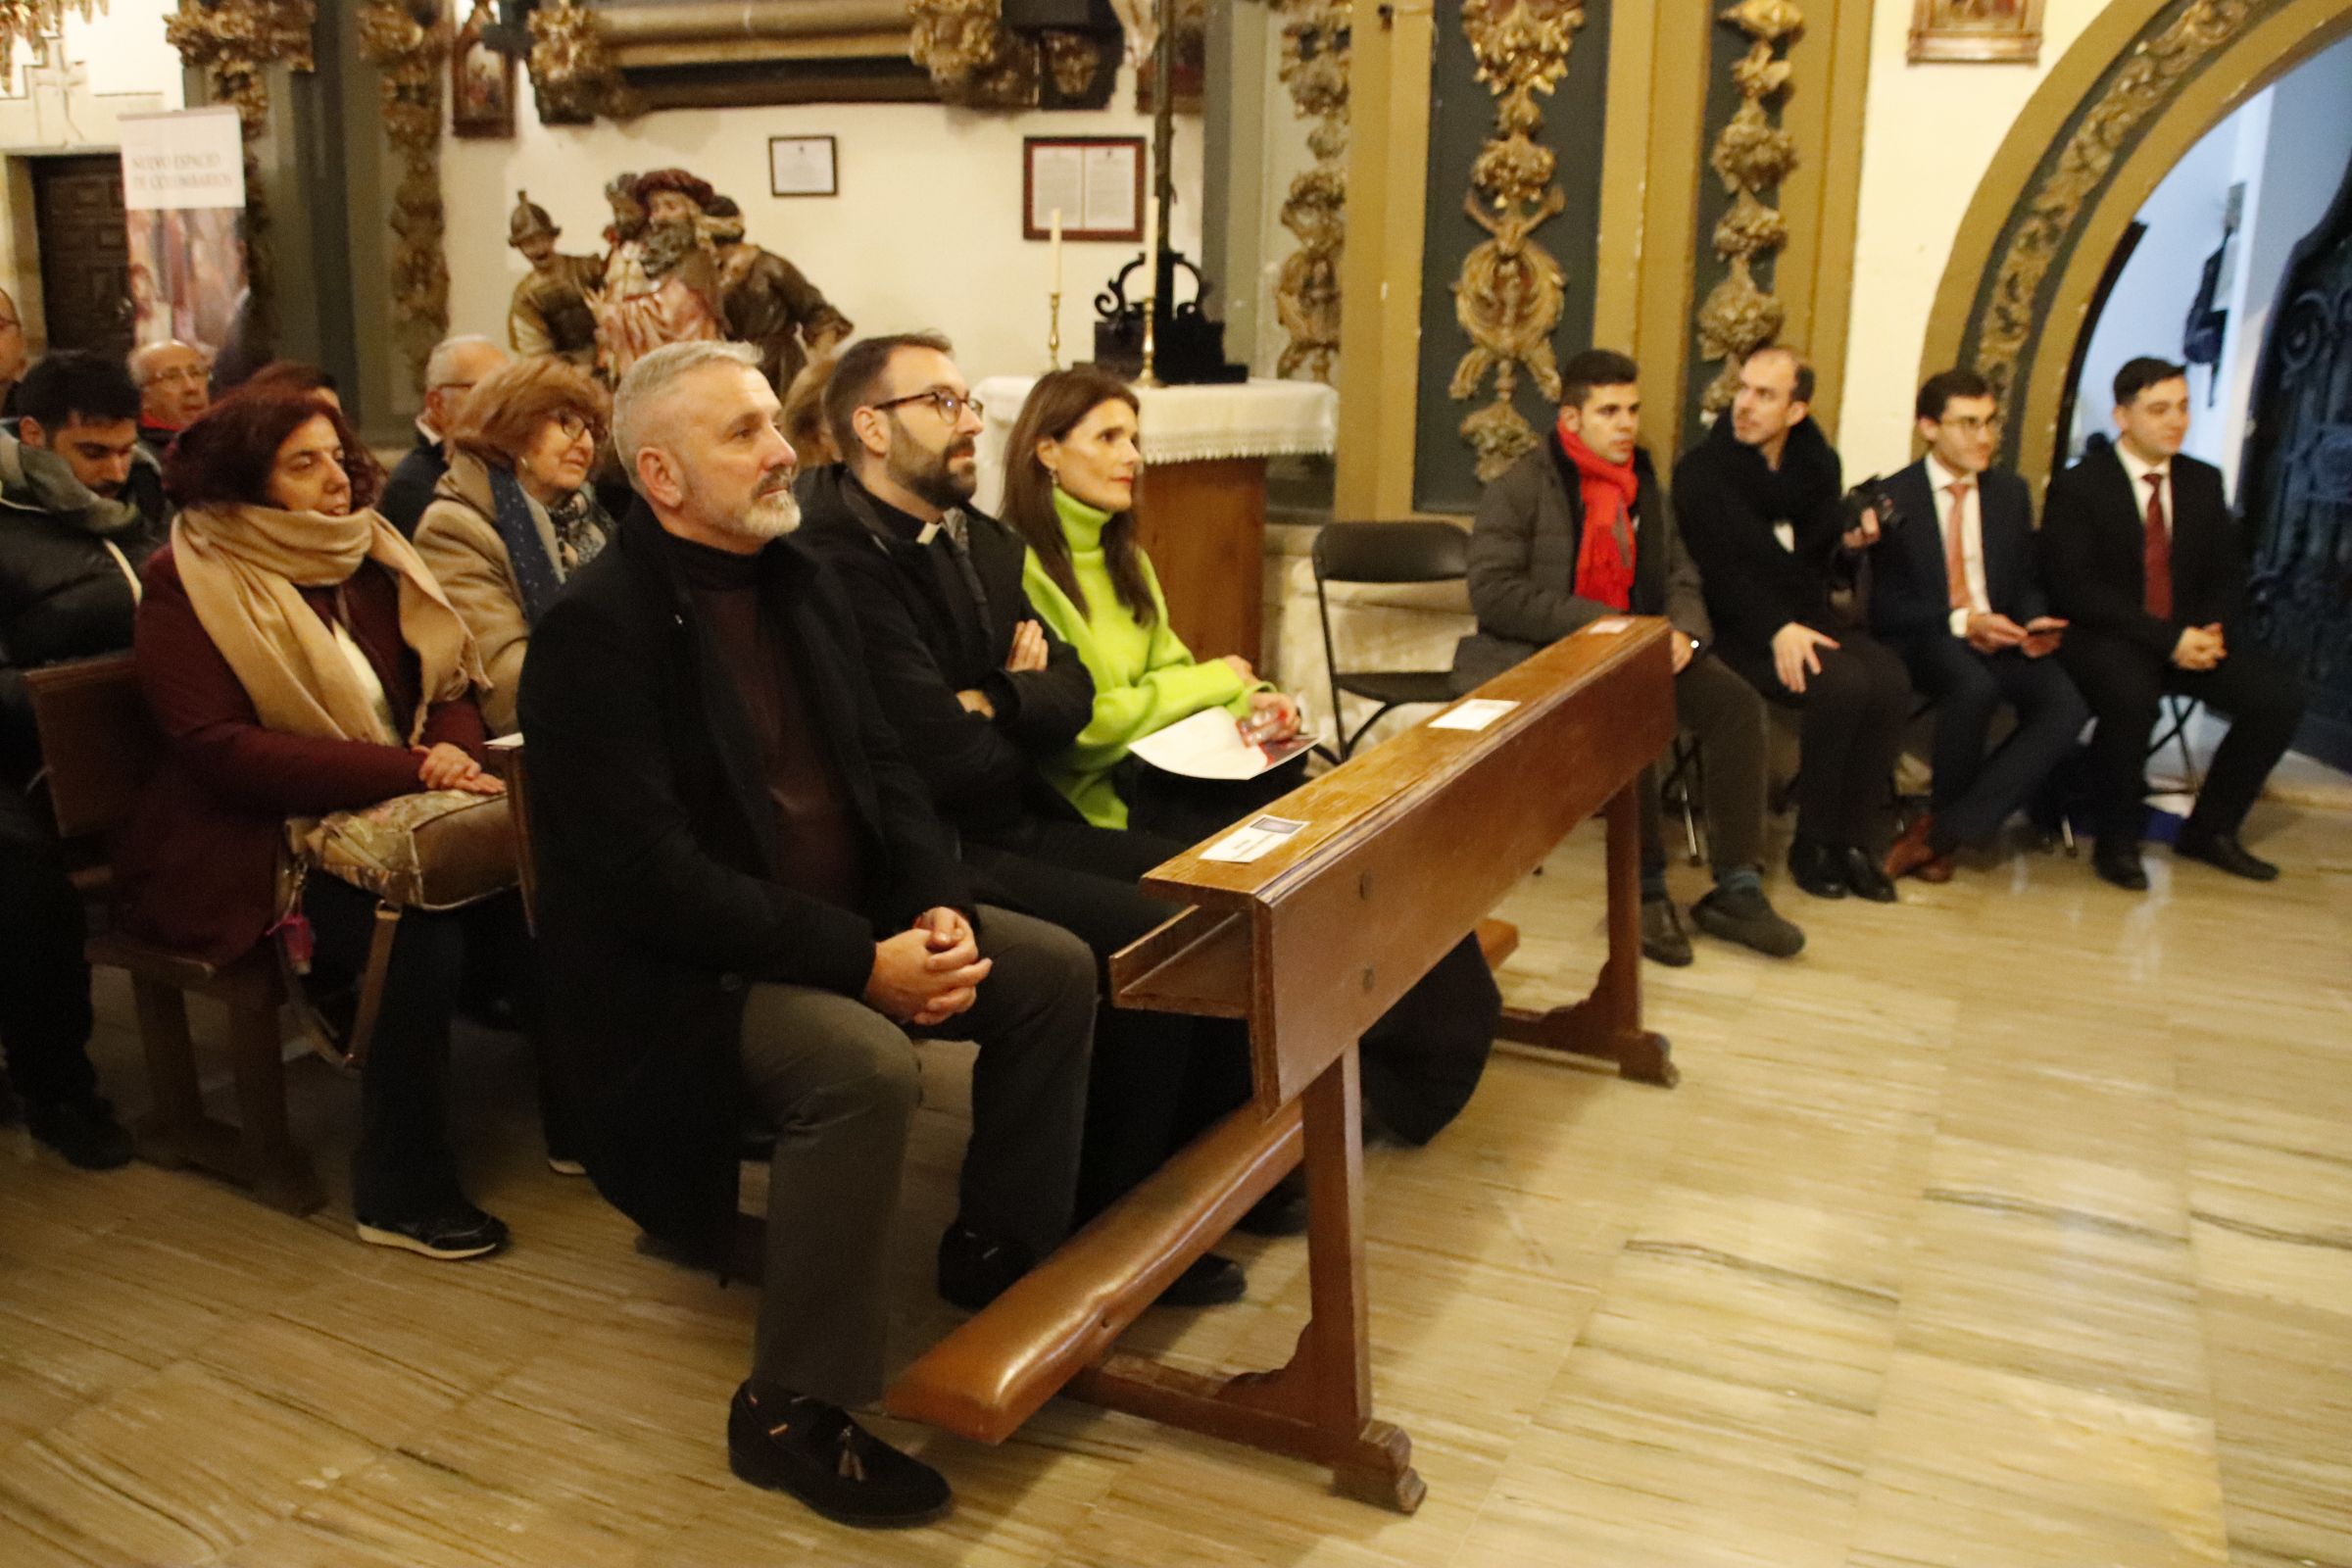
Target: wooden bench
1405,848
100,746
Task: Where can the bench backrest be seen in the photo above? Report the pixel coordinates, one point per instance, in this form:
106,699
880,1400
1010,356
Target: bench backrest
98,740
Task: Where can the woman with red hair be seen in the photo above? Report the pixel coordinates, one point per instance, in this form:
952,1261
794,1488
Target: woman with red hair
301,660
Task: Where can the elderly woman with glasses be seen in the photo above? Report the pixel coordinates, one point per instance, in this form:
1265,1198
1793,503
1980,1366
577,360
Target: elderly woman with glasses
515,515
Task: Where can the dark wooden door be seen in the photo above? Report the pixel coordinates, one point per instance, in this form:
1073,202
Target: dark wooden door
2298,477
85,253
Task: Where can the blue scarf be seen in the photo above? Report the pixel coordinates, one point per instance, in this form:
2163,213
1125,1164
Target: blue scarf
534,572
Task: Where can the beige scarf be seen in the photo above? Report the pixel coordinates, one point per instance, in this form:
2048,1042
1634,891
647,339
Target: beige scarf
245,568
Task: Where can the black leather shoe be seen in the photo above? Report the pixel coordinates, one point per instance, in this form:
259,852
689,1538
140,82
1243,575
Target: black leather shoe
1742,915
2118,861
461,1231
1817,868
816,1452
83,1131
1663,939
1213,1280
974,1271
2223,852
1864,879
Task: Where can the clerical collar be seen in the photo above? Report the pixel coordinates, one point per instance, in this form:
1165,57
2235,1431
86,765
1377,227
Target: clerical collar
905,524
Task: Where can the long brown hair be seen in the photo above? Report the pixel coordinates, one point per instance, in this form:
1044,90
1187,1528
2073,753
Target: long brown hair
1057,405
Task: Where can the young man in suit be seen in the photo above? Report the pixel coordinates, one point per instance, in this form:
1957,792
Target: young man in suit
1577,529
1759,500
2142,557
1962,601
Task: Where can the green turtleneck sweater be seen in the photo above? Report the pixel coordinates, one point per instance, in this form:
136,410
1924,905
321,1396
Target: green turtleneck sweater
1145,677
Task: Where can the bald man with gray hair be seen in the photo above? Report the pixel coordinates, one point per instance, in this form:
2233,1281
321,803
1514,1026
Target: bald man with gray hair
747,908
455,368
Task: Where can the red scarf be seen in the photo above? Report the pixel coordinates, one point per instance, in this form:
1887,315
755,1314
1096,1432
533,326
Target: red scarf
1604,558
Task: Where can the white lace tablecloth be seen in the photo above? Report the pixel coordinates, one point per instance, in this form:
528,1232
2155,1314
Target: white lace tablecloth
1183,423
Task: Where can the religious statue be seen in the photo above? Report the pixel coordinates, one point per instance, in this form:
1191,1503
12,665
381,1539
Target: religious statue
550,313
769,302
660,283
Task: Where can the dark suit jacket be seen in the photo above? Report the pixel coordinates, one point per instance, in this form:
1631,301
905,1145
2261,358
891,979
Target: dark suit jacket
2092,534
409,488
1910,596
925,641
658,899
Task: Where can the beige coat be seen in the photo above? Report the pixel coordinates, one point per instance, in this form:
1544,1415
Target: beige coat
458,540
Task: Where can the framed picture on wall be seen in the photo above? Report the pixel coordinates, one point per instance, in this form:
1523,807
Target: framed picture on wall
1096,183
2007,30
802,166
481,89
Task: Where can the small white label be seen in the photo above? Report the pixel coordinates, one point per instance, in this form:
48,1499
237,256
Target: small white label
1248,842
1609,626
1475,713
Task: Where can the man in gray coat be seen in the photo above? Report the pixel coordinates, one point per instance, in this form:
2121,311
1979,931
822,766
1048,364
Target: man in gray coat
1579,529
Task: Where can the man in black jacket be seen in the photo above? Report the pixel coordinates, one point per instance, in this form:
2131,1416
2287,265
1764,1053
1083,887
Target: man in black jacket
1536,576
80,510
2144,558
979,691
747,903
1759,500
1956,589
458,365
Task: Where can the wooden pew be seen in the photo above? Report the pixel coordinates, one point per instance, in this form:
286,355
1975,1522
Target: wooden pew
1404,849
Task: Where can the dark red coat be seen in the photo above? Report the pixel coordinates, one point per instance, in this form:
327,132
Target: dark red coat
199,861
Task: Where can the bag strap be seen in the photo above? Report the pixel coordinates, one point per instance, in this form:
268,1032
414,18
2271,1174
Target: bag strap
371,983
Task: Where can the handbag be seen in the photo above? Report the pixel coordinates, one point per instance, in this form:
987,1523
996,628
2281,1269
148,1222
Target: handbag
435,849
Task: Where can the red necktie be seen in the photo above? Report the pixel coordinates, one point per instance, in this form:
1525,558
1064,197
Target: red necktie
1955,555
2156,553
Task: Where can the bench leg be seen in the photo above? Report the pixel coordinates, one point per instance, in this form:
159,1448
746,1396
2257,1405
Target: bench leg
1608,1023
1319,1406
168,1135
274,1166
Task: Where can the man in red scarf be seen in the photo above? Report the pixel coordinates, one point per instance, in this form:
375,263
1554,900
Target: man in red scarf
1579,529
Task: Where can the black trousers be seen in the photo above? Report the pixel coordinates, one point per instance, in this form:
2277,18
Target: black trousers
1423,1059
1974,793
2124,683
1157,1079
1727,715
44,980
404,1167
1854,711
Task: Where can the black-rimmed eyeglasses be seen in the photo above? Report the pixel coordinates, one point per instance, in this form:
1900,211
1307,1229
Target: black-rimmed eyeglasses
950,405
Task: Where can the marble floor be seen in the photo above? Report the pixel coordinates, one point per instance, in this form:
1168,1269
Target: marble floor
2008,1228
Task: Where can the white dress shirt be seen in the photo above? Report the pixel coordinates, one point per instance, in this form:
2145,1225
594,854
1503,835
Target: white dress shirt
1941,479
2139,473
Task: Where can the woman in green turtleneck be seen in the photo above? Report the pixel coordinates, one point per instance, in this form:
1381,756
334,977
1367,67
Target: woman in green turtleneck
1069,482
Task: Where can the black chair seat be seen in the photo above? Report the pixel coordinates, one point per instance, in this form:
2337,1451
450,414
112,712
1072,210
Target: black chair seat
1396,687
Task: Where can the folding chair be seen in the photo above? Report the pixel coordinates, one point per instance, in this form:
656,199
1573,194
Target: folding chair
1385,553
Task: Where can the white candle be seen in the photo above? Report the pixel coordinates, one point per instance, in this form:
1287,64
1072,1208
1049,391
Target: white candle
1057,250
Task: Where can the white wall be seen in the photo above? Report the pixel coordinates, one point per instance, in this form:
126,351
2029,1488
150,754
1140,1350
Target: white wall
925,233
1933,132
2288,145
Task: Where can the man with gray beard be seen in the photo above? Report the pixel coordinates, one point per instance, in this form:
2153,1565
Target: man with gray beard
746,906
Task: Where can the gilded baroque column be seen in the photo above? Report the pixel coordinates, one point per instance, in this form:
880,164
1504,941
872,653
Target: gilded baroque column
1306,293
409,43
573,75
234,42
1752,154
1510,294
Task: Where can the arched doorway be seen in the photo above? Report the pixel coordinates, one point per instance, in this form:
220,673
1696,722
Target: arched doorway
2139,89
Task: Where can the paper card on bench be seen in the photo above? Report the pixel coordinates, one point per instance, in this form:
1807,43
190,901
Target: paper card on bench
1475,713
1209,745
1607,626
1248,842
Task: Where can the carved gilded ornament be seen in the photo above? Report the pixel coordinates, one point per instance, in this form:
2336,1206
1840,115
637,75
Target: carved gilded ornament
2011,315
233,42
974,60
1306,292
1751,155
1510,291
573,74
408,42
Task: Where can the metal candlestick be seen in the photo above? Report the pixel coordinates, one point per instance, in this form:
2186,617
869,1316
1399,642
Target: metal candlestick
1054,330
1151,341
